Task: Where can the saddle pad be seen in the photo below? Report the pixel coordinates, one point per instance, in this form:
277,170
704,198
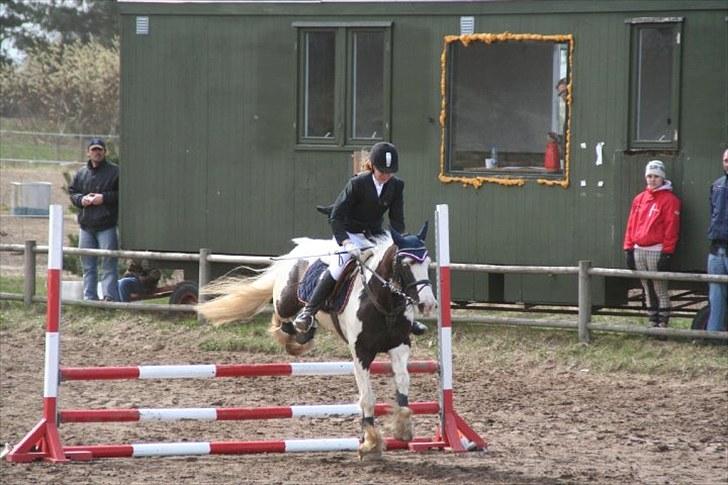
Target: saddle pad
337,301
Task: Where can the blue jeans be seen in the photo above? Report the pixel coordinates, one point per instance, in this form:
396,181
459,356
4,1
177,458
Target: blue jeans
718,292
129,285
105,239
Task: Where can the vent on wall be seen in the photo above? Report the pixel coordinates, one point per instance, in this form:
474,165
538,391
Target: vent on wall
467,25
142,25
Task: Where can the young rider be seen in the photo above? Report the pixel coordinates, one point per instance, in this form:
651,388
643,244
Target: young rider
357,214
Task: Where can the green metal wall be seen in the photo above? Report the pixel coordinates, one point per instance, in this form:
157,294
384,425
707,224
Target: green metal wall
209,144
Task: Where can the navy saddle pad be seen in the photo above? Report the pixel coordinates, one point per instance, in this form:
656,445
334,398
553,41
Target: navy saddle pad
335,302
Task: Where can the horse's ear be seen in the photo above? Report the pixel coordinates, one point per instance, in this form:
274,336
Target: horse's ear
396,237
423,231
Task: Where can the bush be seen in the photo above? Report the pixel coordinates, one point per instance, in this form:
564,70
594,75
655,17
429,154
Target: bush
75,85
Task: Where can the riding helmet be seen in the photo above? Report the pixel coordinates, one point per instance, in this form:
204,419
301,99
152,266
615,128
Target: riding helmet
384,157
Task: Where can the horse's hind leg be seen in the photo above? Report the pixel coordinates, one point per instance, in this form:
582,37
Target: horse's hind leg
286,305
372,444
401,420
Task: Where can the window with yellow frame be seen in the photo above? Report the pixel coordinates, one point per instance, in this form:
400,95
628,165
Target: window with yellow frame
506,100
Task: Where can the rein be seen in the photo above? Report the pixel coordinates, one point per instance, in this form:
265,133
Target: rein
407,300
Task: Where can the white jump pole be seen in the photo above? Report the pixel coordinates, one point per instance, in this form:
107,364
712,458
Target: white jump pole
456,433
43,441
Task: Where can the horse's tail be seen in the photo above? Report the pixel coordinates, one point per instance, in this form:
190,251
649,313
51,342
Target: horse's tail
238,298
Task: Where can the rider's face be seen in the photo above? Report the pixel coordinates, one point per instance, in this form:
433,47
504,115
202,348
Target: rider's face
382,177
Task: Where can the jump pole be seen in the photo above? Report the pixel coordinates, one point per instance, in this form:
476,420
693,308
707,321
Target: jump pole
43,441
455,433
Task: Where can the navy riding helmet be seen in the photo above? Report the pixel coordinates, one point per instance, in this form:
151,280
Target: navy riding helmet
384,157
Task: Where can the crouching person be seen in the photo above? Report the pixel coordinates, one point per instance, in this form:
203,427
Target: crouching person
139,279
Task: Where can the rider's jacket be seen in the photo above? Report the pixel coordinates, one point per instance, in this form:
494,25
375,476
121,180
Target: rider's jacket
358,208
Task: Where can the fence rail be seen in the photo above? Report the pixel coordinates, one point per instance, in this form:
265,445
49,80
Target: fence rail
584,272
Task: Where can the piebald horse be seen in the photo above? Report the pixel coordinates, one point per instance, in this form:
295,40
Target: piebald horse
387,286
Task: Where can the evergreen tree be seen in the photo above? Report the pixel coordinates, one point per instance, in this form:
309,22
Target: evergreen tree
28,24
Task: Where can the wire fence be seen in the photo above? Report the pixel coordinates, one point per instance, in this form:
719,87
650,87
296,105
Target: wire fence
40,147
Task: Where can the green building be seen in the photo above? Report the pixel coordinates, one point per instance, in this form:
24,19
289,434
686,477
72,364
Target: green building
239,117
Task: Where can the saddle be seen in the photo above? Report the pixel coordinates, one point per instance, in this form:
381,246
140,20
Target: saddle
336,302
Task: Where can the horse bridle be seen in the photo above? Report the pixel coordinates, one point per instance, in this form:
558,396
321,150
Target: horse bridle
391,285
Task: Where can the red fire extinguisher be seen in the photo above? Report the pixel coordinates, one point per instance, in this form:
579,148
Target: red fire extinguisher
551,158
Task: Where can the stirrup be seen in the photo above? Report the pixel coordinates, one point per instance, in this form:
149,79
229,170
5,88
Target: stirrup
418,328
304,321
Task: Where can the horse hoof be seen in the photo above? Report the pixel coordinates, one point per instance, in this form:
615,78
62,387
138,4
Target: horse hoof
401,423
370,456
372,446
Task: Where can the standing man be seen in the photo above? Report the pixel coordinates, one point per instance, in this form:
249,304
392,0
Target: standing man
718,259
95,191
652,233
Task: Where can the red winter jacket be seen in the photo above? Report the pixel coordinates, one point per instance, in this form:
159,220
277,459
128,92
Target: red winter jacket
654,219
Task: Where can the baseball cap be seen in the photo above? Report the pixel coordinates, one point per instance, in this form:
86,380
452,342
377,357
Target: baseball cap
96,143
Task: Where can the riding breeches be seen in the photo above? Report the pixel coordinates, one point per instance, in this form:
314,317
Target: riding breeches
337,262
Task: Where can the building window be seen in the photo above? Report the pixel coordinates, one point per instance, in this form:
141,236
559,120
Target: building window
505,108
319,79
344,84
655,83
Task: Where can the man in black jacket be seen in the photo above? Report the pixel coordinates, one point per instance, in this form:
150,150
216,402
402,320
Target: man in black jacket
95,191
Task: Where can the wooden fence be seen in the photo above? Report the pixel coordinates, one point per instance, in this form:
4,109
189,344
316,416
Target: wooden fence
583,271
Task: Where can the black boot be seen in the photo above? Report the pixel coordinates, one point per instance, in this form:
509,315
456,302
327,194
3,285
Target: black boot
418,328
304,320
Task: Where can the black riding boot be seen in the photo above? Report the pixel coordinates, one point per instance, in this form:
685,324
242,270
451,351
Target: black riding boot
304,320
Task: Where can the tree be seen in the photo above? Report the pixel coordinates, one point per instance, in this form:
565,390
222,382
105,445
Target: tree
59,84
33,24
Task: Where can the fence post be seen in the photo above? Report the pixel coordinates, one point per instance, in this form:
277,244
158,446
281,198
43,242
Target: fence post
204,278
29,272
585,301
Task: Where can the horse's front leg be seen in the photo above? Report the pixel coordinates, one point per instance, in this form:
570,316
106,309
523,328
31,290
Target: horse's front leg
402,427
372,444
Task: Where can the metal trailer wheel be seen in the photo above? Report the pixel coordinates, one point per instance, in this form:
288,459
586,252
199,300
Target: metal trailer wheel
185,293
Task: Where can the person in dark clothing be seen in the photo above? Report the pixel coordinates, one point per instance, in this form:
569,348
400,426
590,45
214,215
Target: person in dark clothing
139,280
356,215
718,257
95,192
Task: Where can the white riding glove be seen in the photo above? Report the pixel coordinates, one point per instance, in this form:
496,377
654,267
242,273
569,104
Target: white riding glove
352,249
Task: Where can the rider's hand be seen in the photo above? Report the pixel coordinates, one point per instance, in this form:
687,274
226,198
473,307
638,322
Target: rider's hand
352,249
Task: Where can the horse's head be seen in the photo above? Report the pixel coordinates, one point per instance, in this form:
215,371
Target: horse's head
411,267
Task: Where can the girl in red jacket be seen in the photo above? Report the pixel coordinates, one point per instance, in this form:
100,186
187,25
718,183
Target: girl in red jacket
651,237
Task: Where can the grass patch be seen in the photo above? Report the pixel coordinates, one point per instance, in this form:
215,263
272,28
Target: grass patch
253,336
15,284
474,345
515,346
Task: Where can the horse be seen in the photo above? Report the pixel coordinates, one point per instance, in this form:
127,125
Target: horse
387,283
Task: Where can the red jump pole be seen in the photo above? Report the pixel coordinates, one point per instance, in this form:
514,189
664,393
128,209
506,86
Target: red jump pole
43,441
455,433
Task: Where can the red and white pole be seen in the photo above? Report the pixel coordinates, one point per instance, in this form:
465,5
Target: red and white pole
456,434
43,441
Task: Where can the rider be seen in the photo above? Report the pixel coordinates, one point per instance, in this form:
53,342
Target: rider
357,215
